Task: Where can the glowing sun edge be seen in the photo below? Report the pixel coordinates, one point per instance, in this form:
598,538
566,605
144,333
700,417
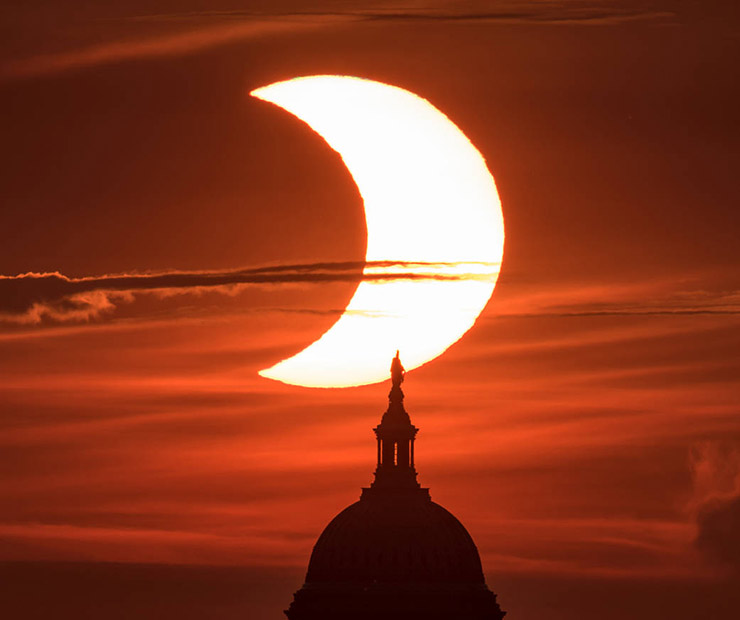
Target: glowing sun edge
429,198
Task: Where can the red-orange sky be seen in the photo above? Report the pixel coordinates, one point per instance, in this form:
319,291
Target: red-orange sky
586,430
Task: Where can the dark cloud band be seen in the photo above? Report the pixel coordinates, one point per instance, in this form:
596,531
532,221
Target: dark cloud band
31,296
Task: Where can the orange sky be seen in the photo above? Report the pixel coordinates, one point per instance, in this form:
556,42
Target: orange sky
586,430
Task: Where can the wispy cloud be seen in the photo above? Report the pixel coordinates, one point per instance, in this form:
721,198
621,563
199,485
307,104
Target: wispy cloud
558,11
208,29
667,297
716,503
169,44
702,304
33,297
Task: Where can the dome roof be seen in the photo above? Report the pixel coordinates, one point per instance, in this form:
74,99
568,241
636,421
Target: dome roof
395,554
390,537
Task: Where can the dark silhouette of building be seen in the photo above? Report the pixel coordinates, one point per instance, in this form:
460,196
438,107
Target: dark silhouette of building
395,554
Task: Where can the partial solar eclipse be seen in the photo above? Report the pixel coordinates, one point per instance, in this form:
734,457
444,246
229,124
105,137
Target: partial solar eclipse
430,201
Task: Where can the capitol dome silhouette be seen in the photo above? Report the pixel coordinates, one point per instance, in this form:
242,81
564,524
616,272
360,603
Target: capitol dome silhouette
395,553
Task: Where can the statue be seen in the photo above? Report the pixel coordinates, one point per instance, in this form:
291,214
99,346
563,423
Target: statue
397,371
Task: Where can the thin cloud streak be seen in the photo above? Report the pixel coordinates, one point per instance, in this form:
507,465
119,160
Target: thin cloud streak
36,298
245,25
178,44
636,299
33,297
546,13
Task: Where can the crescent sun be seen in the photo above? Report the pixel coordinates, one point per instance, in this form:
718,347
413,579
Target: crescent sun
431,207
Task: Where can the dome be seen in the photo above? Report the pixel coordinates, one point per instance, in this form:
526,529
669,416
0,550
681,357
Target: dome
395,554
392,538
